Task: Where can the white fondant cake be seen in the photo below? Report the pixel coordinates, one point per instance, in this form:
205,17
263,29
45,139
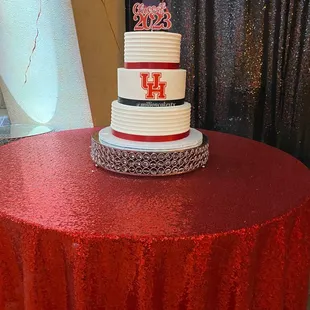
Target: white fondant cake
151,105
141,46
150,132
150,121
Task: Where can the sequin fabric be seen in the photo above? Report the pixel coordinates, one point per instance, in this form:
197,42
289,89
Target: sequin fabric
248,68
234,235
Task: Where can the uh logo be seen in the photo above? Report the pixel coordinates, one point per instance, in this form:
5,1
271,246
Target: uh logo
155,88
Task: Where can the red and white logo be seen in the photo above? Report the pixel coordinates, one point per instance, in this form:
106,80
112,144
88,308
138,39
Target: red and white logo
154,86
151,17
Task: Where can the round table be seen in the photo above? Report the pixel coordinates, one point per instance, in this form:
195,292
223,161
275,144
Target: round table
235,235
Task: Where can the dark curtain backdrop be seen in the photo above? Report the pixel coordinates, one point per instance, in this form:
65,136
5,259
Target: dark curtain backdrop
248,67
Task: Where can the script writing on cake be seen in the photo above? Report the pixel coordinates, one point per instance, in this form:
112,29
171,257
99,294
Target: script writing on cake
151,17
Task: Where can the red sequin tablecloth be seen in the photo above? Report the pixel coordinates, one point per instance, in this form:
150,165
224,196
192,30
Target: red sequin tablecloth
234,235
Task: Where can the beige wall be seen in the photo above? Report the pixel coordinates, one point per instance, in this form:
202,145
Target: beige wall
100,28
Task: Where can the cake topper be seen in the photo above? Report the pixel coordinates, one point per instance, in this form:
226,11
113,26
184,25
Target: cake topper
151,17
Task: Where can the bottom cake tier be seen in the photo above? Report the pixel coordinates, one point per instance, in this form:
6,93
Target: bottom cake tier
170,158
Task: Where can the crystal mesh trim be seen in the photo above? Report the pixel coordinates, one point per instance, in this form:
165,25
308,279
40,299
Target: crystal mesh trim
142,163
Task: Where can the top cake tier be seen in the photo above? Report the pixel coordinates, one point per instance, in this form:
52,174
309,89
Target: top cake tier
159,48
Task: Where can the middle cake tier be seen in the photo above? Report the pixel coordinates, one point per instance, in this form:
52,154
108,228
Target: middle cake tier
149,123
147,88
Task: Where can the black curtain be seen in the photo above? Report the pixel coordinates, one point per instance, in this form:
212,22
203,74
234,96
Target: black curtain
248,67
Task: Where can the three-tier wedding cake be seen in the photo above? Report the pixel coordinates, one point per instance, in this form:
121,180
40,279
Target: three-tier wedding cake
150,130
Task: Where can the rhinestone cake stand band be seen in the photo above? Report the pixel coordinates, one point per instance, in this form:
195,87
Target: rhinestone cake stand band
148,163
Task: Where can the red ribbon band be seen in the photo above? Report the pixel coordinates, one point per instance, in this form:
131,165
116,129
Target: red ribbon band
151,65
138,138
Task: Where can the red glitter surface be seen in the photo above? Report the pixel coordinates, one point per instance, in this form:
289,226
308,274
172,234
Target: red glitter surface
234,235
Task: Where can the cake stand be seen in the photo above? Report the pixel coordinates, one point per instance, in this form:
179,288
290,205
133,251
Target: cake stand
149,159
